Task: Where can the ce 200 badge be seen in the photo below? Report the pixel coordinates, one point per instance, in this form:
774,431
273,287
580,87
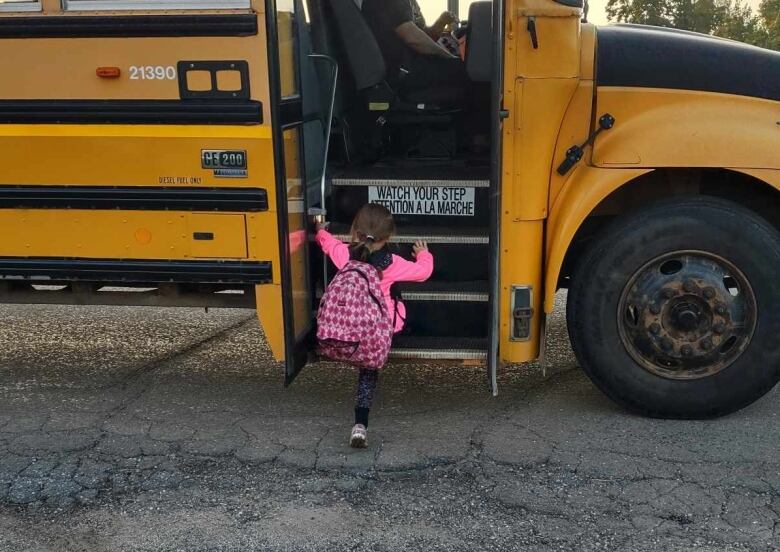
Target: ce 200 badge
225,163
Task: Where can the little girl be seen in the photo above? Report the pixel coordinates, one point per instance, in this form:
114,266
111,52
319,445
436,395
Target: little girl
372,228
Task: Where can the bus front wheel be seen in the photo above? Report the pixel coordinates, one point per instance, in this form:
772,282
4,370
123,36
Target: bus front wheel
674,310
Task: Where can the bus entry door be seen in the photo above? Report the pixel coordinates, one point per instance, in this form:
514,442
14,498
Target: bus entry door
300,143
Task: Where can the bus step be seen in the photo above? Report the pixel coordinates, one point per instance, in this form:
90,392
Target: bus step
439,292
433,235
449,310
410,182
459,256
432,290
432,173
441,310
438,348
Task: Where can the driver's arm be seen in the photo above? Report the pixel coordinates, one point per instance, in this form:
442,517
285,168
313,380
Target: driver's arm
419,41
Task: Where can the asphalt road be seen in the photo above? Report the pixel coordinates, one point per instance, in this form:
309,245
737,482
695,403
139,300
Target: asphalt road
146,429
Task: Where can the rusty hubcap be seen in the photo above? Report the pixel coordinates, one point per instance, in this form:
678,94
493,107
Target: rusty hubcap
687,315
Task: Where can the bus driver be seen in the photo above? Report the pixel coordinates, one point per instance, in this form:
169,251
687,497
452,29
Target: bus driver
406,42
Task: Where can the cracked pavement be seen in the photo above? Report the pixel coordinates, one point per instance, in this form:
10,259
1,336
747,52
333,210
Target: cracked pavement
169,429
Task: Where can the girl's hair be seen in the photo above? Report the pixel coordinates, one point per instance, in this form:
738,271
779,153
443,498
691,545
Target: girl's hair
372,224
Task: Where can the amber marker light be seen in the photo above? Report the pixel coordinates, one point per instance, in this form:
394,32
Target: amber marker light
108,72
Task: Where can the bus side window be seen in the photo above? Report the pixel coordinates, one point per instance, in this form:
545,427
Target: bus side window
20,6
116,5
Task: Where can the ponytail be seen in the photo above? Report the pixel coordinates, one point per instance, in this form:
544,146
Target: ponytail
362,248
373,224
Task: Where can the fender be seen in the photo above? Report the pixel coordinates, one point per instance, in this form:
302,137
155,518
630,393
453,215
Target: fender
662,128
584,190
769,176
681,128
587,187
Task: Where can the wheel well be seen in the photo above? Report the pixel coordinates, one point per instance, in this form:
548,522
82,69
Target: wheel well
745,190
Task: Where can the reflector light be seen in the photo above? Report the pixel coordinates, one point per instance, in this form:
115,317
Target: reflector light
108,72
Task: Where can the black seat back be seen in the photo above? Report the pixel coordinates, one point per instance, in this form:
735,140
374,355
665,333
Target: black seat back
365,60
479,42
325,41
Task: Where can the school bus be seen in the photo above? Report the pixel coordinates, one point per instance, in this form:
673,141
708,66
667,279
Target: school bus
173,152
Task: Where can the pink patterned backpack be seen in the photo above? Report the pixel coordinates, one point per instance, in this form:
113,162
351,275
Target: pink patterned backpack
352,322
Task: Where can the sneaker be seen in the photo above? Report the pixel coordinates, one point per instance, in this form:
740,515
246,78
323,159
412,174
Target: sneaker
358,439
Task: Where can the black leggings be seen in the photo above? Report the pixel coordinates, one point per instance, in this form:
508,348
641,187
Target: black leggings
367,382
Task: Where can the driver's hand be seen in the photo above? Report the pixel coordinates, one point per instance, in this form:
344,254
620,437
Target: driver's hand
446,18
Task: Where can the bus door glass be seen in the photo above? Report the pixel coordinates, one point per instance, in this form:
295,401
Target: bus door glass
299,152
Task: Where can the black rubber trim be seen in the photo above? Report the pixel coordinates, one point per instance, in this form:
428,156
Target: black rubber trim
652,57
285,113
134,198
131,111
128,26
135,271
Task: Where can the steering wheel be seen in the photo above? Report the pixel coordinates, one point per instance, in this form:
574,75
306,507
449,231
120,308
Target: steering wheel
452,41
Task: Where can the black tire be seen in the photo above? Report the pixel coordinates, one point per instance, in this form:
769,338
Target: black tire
611,341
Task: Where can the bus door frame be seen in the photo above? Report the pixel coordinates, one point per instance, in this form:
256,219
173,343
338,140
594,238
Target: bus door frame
498,114
289,113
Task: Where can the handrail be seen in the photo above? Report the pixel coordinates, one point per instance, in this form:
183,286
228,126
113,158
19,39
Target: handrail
331,107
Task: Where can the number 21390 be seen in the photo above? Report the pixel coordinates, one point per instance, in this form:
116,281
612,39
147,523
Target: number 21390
152,72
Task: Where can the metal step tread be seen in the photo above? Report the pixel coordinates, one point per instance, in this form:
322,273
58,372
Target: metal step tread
439,348
391,175
431,234
413,183
469,291
476,291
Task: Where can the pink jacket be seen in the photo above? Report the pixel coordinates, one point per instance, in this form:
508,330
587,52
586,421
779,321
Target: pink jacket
400,270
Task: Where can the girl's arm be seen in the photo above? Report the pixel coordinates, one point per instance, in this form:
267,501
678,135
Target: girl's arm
333,248
408,271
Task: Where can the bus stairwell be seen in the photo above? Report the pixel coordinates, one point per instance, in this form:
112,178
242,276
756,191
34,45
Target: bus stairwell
446,206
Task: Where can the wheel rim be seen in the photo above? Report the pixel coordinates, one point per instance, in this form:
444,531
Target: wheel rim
687,315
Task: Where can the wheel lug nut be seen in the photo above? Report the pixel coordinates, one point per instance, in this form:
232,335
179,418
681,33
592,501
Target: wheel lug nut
709,293
686,350
719,328
655,328
668,293
706,344
667,344
689,286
